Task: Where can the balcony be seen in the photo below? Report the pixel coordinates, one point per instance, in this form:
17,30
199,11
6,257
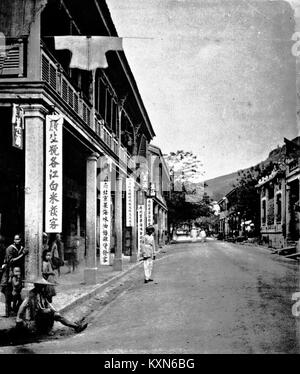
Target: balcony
293,165
54,75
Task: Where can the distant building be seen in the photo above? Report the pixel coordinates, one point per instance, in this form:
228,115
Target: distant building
159,187
279,200
229,219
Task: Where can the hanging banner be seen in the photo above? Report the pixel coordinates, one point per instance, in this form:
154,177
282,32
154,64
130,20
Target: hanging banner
17,127
149,215
152,189
144,180
54,176
141,225
130,202
105,220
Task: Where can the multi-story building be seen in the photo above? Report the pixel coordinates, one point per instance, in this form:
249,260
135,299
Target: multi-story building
279,196
229,218
159,186
101,116
272,189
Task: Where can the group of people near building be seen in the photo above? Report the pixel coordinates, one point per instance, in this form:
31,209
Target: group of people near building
35,312
198,233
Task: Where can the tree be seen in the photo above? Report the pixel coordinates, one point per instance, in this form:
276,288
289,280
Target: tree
186,202
246,200
186,173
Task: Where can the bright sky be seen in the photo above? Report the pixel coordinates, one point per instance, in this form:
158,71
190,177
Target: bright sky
217,77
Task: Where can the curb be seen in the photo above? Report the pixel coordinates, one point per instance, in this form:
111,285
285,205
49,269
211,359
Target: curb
101,287
94,292
81,299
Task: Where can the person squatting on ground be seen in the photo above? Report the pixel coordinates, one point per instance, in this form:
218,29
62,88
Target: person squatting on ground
148,253
37,315
14,257
48,274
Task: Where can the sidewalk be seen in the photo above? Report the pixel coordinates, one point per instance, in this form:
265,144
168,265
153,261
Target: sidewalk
71,290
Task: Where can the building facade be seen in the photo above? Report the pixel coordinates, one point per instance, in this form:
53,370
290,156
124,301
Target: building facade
159,186
272,189
229,218
89,186
279,197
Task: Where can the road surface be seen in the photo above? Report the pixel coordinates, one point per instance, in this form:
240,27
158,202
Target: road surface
213,297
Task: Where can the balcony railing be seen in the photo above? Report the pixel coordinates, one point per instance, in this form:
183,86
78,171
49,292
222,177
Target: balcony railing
293,165
53,74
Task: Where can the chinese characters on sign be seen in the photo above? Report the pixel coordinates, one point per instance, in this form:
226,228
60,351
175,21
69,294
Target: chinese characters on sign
144,178
17,126
54,179
141,225
130,202
152,189
149,215
105,220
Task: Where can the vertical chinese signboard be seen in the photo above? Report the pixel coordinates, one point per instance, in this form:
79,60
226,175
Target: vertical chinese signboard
105,220
130,202
17,127
149,215
54,177
141,225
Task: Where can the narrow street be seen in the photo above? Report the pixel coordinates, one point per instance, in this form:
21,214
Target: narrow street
212,297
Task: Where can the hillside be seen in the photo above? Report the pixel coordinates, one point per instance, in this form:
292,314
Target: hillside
218,187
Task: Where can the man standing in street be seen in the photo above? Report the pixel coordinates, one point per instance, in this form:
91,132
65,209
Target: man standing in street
14,257
148,253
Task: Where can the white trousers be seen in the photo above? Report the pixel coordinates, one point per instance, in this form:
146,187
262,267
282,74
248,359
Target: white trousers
148,266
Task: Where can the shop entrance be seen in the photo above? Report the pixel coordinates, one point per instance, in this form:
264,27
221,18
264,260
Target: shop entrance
12,176
74,197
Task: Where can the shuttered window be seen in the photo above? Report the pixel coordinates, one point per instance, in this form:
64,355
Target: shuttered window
12,60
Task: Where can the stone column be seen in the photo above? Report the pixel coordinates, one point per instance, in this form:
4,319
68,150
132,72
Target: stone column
283,209
133,257
296,6
118,223
287,211
90,271
34,187
298,213
296,52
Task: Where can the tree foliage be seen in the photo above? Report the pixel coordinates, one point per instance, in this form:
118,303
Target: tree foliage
246,199
187,201
180,211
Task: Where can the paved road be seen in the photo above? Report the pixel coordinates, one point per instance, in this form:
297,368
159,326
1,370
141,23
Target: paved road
212,297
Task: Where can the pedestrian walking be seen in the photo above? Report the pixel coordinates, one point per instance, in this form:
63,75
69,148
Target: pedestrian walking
14,257
56,247
194,233
73,254
37,315
202,235
48,274
148,253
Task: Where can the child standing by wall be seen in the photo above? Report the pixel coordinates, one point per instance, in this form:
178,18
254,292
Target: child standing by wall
48,274
17,285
